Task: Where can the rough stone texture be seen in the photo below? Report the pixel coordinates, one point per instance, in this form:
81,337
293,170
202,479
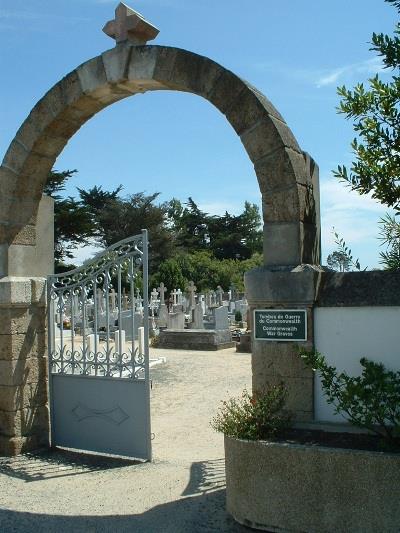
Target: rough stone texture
267,135
25,422
356,289
281,288
125,70
276,362
11,446
22,346
296,488
23,364
26,395
192,339
16,372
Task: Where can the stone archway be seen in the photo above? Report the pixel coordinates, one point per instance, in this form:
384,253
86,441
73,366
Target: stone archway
288,180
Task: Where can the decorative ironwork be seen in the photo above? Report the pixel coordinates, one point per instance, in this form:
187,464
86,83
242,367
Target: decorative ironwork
93,315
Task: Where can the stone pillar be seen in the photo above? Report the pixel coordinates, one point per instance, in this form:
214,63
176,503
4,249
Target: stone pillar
275,362
24,418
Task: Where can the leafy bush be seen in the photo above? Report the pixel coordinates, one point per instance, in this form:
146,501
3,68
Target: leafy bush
238,316
256,417
370,401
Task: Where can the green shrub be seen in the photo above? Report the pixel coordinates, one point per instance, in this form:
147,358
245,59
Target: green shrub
256,417
238,316
370,401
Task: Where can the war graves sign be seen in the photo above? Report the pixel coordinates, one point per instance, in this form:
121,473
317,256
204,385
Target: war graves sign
280,324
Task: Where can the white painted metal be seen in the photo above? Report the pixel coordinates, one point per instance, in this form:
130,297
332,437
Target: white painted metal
99,383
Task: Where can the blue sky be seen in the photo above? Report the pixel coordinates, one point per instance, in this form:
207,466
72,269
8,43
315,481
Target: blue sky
296,52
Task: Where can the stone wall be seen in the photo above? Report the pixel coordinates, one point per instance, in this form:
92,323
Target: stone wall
348,297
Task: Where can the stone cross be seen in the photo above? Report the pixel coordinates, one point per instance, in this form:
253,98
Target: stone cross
174,295
192,294
220,293
162,290
129,26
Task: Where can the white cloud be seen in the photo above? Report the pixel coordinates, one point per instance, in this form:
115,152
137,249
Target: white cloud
83,253
354,217
369,67
322,77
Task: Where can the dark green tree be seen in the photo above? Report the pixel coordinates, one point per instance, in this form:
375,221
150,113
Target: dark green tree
73,225
116,218
226,237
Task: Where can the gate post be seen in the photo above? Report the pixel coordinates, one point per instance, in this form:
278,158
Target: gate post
24,418
24,421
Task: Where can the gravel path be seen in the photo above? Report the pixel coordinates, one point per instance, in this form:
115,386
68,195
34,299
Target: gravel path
182,490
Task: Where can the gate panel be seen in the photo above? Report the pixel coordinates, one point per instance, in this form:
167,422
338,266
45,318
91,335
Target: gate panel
100,414
99,353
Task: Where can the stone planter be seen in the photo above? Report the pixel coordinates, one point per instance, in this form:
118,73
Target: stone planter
301,488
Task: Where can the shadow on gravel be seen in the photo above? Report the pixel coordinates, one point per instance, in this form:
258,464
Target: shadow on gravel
198,514
205,476
48,464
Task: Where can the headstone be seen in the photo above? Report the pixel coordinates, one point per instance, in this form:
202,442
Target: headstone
141,340
126,324
197,322
163,315
176,321
99,300
119,349
179,294
92,340
221,318
75,305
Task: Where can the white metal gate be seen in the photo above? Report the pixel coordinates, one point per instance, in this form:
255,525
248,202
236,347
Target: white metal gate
99,353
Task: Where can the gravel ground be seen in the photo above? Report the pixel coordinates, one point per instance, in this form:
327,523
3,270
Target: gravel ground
182,490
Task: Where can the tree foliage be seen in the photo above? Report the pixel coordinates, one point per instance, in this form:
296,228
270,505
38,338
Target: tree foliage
115,218
73,225
375,113
370,401
185,242
226,237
